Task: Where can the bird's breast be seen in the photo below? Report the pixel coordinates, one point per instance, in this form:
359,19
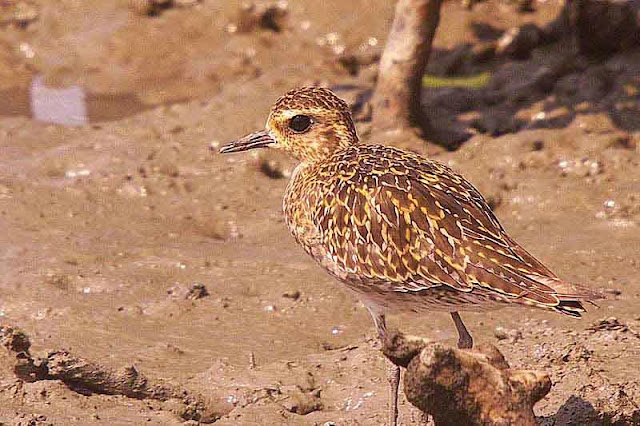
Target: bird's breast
299,200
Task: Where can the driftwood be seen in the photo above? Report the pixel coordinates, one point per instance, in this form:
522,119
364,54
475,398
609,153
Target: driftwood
396,99
88,377
470,387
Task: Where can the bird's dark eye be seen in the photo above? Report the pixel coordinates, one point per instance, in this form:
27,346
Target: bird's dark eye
300,123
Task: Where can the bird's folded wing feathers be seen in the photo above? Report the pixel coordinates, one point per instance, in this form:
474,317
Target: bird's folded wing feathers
424,226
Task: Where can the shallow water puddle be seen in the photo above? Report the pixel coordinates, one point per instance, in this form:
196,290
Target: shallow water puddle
70,106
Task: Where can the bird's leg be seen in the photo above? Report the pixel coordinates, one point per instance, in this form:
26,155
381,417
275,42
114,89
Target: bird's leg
393,375
393,372
465,341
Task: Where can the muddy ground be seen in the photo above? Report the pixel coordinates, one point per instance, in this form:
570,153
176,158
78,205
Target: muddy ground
109,230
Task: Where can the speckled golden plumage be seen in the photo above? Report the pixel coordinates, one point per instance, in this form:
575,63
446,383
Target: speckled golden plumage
404,232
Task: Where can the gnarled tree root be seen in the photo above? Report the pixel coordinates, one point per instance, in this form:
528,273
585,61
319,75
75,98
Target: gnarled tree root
470,387
86,377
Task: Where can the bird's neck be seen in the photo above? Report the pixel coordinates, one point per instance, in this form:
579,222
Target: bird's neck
323,153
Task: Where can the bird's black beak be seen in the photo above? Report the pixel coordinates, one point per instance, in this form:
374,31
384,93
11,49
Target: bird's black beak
259,139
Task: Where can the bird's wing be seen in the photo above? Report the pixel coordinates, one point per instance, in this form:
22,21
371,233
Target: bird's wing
417,224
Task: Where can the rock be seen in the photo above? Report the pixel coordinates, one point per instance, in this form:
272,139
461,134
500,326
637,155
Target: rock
500,333
537,145
456,99
606,26
303,402
14,339
19,14
155,7
254,16
449,62
512,335
622,140
271,169
575,352
612,324
586,86
525,6
293,295
24,13
518,42
497,122
185,3
197,291
353,62
358,99
148,7
483,51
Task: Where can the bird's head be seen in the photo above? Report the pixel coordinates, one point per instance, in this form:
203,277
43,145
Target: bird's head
309,124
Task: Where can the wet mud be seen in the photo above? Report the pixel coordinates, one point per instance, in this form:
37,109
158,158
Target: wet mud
129,242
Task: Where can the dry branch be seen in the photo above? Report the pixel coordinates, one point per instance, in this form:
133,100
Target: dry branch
466,387
88,377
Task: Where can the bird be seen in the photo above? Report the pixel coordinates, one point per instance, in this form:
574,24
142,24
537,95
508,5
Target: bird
403,232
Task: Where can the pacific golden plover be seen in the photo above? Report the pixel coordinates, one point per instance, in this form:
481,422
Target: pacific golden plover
403,232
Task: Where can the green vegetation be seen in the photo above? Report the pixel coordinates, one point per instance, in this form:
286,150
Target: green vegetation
477,81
